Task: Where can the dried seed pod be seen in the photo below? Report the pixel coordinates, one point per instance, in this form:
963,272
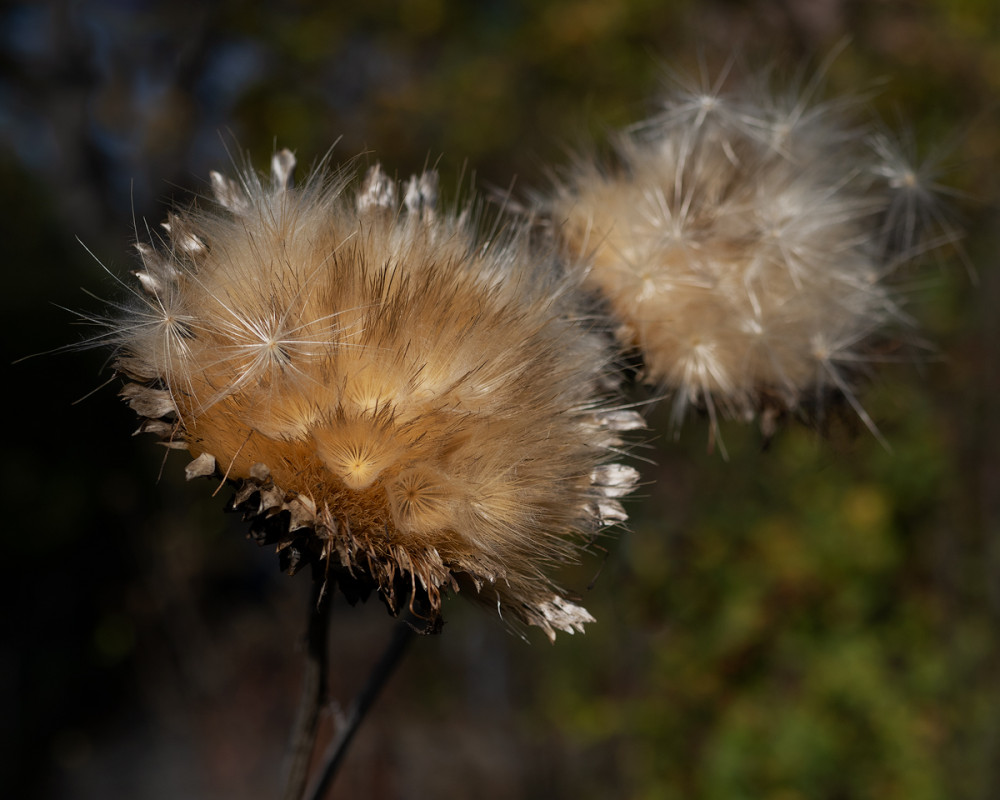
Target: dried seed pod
743,241
412,407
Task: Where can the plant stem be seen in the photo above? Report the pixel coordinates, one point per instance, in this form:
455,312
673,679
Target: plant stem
333,757
314,689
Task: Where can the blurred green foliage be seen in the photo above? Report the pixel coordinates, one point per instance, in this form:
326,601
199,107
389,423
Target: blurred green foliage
820,620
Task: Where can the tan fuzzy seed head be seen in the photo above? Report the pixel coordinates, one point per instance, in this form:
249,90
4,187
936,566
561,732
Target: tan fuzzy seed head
397,399
743,242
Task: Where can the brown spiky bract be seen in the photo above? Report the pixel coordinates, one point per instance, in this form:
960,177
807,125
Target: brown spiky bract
410,406
743,241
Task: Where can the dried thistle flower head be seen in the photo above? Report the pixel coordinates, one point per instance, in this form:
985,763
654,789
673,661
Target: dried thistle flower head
398,400
743,242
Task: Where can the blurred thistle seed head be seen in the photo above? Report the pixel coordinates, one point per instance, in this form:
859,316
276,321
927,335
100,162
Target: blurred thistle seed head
744,241
404,404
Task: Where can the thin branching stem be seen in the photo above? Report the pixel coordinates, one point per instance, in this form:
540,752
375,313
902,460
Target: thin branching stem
314,691
334,755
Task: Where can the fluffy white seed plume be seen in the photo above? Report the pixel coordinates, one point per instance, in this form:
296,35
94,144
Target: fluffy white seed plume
406,404
743,243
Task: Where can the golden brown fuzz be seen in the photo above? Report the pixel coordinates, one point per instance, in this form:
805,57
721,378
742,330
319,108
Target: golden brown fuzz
412,406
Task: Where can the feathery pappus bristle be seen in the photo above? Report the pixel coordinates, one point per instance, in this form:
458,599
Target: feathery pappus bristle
403,402
743,241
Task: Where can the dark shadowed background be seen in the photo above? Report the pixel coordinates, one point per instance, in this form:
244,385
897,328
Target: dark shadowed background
820,620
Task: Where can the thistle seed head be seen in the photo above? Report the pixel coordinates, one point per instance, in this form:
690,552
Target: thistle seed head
398,400
743,243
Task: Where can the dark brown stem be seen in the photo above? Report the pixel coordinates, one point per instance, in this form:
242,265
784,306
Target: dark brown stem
314,689
334,755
